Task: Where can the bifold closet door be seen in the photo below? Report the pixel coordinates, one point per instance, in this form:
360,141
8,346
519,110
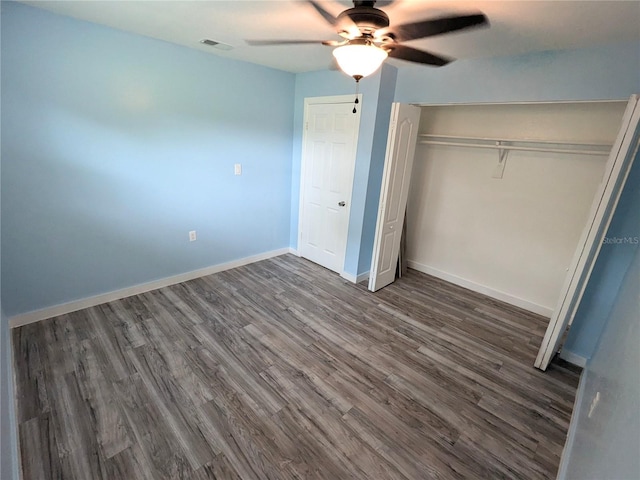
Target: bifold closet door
401,146
617,168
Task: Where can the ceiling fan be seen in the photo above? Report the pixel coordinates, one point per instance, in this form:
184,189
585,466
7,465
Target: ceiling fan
368,39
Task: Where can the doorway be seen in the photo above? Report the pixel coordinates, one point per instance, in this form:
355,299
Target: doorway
329,146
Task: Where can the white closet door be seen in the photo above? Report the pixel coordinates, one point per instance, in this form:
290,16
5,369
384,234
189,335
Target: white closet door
604,204
401,146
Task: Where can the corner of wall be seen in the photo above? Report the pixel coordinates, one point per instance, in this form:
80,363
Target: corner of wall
386,94
8,430
573,358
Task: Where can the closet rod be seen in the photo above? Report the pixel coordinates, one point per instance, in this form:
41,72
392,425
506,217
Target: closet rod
513,140
513,147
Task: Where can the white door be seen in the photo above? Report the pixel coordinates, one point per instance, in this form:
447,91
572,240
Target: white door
398,163
604,204
328,161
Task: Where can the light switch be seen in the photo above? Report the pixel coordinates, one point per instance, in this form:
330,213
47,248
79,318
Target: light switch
237,169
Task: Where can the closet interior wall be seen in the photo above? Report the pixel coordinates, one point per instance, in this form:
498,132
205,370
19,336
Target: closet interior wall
513,237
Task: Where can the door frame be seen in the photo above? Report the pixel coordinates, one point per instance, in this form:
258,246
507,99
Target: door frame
333,99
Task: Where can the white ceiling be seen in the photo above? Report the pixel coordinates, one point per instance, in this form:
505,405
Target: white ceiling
516,26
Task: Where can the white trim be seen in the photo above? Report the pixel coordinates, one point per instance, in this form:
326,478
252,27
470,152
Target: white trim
330,99
17,469
355,278
533,102
573,427
61,309
294,251
573,358
485,290
362,277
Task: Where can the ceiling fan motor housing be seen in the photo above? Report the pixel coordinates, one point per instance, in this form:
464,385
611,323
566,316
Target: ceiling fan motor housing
368,19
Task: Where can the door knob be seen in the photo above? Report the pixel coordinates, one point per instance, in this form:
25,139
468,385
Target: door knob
342,204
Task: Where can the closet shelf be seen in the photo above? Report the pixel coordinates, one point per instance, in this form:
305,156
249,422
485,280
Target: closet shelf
531,145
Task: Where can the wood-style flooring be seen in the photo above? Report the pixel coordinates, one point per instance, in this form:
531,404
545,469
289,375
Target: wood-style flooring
283,370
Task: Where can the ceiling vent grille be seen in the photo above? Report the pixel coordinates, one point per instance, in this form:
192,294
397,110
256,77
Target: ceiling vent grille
215,44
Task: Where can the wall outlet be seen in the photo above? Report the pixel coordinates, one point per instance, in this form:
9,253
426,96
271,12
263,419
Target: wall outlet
192,236
237,169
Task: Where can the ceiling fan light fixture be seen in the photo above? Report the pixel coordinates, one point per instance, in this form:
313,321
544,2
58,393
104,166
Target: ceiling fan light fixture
359,60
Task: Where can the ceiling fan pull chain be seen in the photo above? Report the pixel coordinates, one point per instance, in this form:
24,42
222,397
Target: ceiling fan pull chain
357,89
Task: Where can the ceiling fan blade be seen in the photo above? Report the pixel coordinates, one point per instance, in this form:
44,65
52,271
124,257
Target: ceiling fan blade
436,26
418,56
265,43
325,14
343,23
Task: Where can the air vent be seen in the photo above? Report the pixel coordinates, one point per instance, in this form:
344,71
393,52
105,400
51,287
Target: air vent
218,45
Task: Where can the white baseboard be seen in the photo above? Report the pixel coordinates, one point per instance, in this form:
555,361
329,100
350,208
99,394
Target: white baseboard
362,277
573,358
355,278
61,309
293,251
485,290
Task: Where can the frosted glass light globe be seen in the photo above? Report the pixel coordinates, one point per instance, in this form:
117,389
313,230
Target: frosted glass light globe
359,60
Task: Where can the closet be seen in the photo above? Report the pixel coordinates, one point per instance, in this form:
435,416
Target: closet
506,222
501,196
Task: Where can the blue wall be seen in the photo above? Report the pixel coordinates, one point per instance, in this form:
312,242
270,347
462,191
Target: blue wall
376,166
606,443
114,146
621,244
609,72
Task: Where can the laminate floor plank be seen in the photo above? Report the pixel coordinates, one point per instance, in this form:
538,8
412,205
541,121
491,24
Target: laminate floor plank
42,460
129,463
174,405
283,370
237,443
218,469
78,448
159,449
32,399
110,428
